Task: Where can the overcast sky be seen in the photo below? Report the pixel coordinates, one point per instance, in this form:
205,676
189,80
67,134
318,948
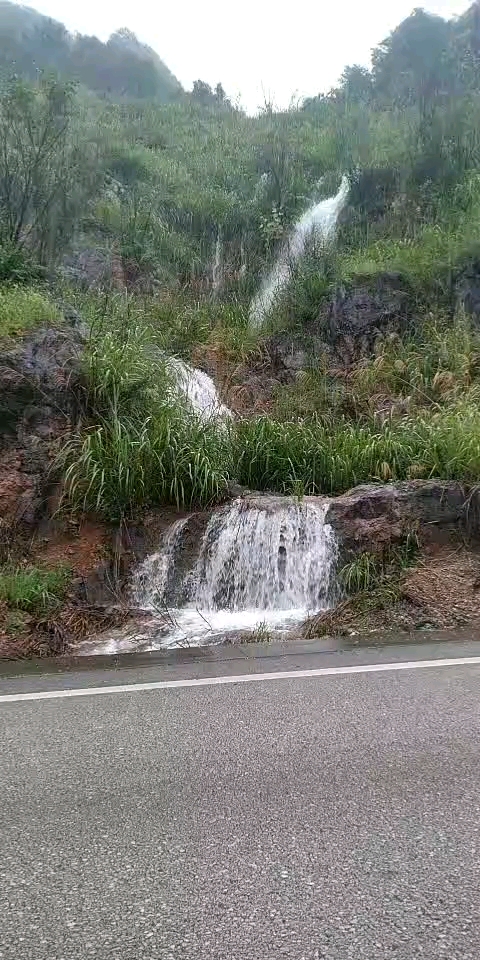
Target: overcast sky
254,49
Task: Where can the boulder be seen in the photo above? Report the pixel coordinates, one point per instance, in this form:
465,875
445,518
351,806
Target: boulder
371,516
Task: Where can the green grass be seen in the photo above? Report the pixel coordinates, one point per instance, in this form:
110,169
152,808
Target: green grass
22,308
425,253
141,445
122,465
313,458
368,571
33,589
440,363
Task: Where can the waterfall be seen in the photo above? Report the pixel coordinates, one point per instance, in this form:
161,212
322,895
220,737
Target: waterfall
319,220
257,558
153,577
262,560
199,390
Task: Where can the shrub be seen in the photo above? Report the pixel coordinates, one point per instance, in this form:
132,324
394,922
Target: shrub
17,266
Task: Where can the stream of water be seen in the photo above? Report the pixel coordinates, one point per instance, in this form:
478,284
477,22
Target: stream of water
262,566
319,220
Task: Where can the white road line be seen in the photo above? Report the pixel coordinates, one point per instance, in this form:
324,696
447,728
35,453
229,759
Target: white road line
242,678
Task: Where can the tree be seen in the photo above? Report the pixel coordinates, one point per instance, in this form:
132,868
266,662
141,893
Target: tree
42,168
414,65
202,93
356,85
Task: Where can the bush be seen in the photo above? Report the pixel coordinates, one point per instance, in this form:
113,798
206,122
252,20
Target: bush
22,308
17,266
33,589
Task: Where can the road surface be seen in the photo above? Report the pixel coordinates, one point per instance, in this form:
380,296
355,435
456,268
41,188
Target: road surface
330,815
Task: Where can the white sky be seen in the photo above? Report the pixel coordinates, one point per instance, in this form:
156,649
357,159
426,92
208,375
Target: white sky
254,49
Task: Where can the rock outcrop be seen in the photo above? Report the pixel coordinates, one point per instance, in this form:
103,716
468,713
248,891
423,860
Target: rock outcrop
372,516
39,379
356,317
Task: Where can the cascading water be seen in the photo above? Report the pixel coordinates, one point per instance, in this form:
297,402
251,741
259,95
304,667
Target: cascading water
263,560
199,389
320,220
256,558
153,576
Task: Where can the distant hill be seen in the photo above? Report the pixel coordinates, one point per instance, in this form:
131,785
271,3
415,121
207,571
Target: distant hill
122,67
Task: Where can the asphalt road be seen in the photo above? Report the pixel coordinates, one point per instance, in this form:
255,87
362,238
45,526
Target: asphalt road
333,816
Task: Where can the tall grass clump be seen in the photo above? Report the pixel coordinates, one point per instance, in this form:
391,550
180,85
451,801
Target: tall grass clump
142,444
369,570
312,457
438,364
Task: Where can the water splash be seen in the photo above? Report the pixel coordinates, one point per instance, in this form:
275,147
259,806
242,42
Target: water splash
262,561
199,390
152,580
261,557
319,220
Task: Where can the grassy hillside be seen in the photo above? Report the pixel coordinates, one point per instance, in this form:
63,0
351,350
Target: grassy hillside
170,194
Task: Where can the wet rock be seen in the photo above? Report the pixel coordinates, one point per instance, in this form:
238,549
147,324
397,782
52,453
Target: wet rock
18,491
39,400
467,290
357,317
347,327
90,267
370,516
291,353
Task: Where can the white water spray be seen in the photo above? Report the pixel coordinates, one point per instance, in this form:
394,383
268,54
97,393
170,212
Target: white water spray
319,220
199,390
267,561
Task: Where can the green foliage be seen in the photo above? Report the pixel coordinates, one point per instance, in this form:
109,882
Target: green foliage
17,266
43,168
144,445
34,589
157,178
368,571
330,458
440,363
22,308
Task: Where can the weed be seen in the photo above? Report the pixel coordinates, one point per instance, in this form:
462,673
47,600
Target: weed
33,589
369,571
22,308
261,633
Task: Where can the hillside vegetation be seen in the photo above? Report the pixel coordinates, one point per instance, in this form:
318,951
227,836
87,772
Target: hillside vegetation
155,213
